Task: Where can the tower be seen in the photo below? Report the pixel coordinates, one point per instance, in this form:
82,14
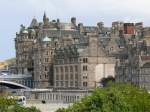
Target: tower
45,19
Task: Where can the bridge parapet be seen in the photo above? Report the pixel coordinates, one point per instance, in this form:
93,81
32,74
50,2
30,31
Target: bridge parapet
13,85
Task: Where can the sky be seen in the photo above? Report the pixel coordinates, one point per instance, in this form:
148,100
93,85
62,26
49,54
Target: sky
13,13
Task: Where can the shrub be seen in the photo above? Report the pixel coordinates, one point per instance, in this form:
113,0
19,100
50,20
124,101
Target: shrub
113,98
9,105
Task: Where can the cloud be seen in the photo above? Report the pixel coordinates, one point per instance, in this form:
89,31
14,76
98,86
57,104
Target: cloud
86,9
134,10
16,12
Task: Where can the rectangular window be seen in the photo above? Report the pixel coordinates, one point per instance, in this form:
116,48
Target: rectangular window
76,68
61,76
57,77
71,83
46,76
47,52
71,76
46,59
66,76
85,68
40,77
62,70
46,69
85,60
76,76
85,84
84,77
66,69
57,83
76,83
71,69
62,84
66,83
57,70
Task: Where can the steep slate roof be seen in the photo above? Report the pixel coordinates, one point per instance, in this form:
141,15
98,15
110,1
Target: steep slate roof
34,23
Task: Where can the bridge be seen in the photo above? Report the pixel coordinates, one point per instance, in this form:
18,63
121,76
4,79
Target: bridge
13,85
22,79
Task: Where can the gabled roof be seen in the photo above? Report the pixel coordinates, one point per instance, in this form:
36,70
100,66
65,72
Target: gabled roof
34,23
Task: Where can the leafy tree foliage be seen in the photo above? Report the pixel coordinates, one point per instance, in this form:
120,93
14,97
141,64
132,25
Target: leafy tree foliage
9,105
105,81
113,98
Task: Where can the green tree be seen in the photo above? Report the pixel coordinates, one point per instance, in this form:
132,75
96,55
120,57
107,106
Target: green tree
9,105
105,81
113,98
5,103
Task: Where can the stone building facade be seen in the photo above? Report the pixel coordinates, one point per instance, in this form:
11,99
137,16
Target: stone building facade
43,62
35,46
82,65
71,55
133,64
24,47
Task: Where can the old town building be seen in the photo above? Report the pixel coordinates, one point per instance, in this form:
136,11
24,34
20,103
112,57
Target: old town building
71,55
133,65
82,65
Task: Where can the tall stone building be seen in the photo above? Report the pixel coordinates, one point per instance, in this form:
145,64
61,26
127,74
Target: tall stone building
24,51
82,65
133,64
71,55
35,46
43,72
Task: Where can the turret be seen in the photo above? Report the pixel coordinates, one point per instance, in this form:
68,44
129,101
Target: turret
58,24
45,19
80,26
73,21
100,26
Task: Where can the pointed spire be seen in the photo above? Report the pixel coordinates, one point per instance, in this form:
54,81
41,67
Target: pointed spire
44,14
44,17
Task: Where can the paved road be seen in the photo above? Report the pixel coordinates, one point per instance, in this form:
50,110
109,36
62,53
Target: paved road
52,107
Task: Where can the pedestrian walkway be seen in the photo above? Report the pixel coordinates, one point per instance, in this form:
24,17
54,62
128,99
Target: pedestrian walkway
52,107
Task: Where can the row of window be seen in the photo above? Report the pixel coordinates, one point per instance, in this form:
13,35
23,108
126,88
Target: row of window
145,71
62,61
46,59
70,69
66,83
67,77
71,60
66,69
85,84
47,53
85,60
53,97
70,84
85,68
84,77
45,76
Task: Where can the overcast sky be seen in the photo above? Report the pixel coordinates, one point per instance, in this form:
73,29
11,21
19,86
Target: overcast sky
16,12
